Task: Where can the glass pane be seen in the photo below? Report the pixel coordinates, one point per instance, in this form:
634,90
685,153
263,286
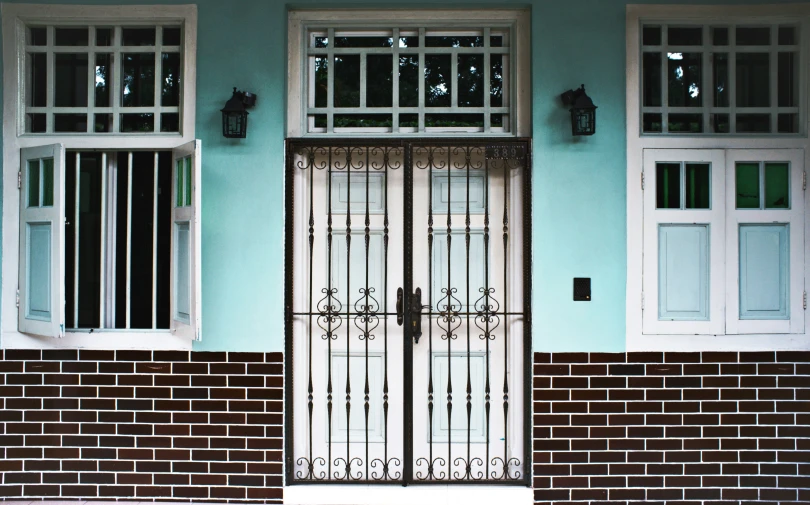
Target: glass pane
747,185
698,186
685,80
651,35
379,80
721,123
720,71
321,42
73,123
437,80
787,35
454,41
138,36
720,36
143,123
470,80
788,123
788,80
408,120
408,80
70,72
33,183
496,120
104,69
753,36
37,36
685,123
170,94
321,66
495,41
668,185
383,41
651,76
170,122
178,200
652,123
409,42
753,80
70,37
103,123
347,80
171,36
362,120
777,186
47,182
685,36
496,80
454,120
35,123
188,180
319,120
38,77
104,36
753,123
138,81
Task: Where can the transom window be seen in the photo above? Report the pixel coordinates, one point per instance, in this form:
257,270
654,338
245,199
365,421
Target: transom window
409,80
720,79
103,78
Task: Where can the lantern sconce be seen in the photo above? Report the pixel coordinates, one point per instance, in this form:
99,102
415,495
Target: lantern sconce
583,111
234,114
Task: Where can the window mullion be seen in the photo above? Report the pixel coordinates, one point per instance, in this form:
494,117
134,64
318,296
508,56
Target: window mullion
732,79
421,80
158,95
112,231
128,305
773,65
454,79
706,63
76,231
103,256
664,81
116,92
330,81
155,239
487,77
49,80
363,82
91,80
395,82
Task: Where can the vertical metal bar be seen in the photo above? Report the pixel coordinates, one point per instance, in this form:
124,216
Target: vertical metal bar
289,410
430,316
486,311
526,215
330,314
469,308
154,240
505,319
385,301
112,227
407,271
311,167
103,257
76,215
367,311
348,309
129,241
449,316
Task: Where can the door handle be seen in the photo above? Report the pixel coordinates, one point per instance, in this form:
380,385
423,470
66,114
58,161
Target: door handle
416,309
400,310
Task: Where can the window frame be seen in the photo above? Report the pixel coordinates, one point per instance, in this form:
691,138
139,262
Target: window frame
637,142
301,21
15,19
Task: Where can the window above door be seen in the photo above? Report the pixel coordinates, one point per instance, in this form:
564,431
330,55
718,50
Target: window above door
401,73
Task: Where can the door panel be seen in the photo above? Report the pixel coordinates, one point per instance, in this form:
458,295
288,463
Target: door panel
388,388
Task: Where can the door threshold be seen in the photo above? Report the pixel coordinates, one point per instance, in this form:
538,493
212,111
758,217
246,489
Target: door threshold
434,494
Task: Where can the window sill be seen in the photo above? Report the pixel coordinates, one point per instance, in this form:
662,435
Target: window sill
747,342
102,340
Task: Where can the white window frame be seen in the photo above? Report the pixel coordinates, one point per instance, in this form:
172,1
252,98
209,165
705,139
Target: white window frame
300,21
15,17
637,142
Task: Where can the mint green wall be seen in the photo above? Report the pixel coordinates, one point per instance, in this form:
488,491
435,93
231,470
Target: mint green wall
578,184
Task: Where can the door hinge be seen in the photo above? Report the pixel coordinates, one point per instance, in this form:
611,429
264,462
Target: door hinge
804,301
642,181
18,299
804,180
642,300
19,180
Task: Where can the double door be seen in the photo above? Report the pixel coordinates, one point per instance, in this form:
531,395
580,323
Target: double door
407,314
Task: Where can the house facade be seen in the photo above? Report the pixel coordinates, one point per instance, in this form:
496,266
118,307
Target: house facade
419,268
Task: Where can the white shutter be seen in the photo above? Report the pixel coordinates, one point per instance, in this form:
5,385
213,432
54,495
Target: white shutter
42,241
185,242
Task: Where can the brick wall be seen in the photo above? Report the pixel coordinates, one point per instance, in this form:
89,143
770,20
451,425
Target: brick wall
712,427
141,425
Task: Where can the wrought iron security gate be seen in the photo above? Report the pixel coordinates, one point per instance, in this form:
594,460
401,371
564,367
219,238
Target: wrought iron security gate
407,311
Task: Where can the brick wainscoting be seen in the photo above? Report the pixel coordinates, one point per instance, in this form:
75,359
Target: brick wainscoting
141,425
712,427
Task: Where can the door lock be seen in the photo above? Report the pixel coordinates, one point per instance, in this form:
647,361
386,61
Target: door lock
416,310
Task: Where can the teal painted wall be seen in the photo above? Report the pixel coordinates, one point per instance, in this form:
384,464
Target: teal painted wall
578,184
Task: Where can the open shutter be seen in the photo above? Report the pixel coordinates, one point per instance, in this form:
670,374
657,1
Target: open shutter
42,241
186,247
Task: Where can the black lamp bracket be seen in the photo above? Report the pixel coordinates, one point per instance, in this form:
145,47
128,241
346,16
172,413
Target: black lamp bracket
571,96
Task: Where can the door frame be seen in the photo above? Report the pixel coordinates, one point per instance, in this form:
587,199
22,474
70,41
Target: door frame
291,145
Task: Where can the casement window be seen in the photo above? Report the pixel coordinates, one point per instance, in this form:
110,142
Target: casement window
721,78
407,76
104,208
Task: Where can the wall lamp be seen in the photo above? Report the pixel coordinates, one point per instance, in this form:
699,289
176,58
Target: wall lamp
583,111
234,114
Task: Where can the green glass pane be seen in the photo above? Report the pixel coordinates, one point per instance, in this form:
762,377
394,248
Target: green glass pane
698,186
47,182
747,185
668,185
777,186
33,183
179,197
188,181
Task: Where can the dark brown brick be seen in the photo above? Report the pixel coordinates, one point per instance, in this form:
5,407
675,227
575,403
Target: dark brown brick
757,357
645,357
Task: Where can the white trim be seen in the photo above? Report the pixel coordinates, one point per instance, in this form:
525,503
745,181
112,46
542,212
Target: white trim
519,50
637,143
399,495
14,17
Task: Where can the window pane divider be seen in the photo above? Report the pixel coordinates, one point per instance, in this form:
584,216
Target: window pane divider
103,262
773,65
664,81
363,82
421,80
116,93
395,83
155,239
49,84
76,215
129,242
487,77
330,81
732,79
